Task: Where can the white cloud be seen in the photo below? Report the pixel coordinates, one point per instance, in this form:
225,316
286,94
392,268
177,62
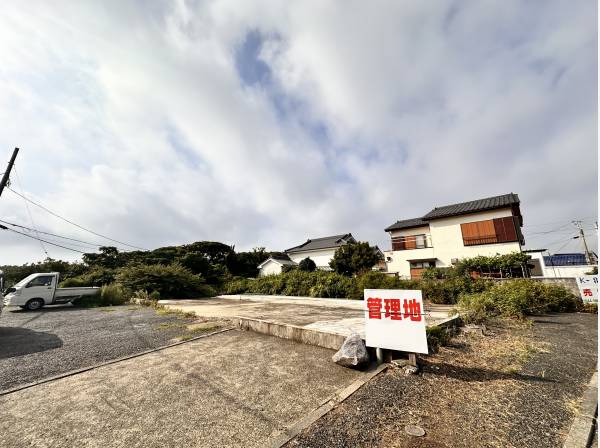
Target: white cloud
134,120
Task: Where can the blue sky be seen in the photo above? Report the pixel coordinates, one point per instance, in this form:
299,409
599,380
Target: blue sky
263,123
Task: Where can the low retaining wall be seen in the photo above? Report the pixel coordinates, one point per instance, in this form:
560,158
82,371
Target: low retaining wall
315,301
292,332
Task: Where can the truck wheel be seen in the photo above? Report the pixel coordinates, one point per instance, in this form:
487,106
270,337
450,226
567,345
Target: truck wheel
34,304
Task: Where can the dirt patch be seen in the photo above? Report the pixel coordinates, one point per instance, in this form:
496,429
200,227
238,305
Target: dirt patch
518,386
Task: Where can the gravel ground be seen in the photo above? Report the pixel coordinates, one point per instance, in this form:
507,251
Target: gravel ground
228,390
518,386
57,339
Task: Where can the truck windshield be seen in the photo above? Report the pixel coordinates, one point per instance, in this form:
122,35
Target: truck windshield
25,280
42,280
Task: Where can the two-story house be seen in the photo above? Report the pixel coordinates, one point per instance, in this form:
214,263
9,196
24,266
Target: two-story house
446,234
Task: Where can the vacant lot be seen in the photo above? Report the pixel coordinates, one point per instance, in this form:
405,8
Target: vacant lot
518,386
232,389
55,340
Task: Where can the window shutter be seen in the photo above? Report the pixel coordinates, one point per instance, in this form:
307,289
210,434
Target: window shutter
505,229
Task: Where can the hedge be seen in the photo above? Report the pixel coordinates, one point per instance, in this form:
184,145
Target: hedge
170,281
516,298
331,284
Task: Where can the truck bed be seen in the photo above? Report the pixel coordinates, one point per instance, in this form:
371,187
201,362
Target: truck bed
76,292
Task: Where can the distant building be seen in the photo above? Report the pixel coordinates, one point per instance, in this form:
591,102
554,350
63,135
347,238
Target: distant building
446,234
557,265
319,250
274,265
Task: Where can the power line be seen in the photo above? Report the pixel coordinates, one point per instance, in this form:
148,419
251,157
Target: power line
563,246
50,234
558,222
72,223
29,213
45,241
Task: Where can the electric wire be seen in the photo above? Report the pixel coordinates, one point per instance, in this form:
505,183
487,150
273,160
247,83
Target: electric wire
72,223
50,234
29,212
45,241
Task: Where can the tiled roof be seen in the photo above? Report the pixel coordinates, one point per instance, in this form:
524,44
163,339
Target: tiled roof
280,260
494,202
323,243
407,224
463,208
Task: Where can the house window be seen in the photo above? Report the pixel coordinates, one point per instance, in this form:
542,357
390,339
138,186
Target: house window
417,268
490,231
409,242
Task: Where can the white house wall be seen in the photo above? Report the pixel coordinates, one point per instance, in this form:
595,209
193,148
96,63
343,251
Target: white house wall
321,257
447,242
270,268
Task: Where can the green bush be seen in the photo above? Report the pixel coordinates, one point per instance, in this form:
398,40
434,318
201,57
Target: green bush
516,299
107,296
354,258
588,307
378,280
170,281
295,283
307,265
237,286
437,337
96,276
331,284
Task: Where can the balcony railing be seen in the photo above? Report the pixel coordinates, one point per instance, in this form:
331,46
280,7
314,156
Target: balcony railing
411,242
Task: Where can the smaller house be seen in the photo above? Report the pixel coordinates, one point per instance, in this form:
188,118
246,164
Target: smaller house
274,265
319,250
557,265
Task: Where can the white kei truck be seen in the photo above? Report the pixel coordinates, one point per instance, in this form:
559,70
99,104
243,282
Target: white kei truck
37,290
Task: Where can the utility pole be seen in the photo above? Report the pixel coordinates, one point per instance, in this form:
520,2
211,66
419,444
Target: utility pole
6,176
588,255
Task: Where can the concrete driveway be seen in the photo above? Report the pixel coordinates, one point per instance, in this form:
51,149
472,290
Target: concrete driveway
230,389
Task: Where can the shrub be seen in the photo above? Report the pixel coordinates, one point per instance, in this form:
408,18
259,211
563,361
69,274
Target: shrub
295,283
97,276
170,281
588,307
354,258
378,280
330,284
107,296
437,337
516,299
142,297
237,286
307,265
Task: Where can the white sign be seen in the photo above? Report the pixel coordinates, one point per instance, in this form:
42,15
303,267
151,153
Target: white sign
588,287
395,320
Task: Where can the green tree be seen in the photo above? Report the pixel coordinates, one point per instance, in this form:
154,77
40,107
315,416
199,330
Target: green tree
355,258
307,265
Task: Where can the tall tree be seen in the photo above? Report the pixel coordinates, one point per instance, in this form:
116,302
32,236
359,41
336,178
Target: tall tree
354,258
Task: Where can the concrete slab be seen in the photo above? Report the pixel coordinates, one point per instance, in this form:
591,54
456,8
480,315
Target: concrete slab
317,321
231,389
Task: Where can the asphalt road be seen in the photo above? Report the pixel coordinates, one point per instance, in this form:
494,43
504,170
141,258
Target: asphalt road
58,339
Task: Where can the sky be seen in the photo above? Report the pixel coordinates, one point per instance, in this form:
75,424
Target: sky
264,123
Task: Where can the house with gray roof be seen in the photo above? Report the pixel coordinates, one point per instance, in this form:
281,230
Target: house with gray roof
439,238
320,250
